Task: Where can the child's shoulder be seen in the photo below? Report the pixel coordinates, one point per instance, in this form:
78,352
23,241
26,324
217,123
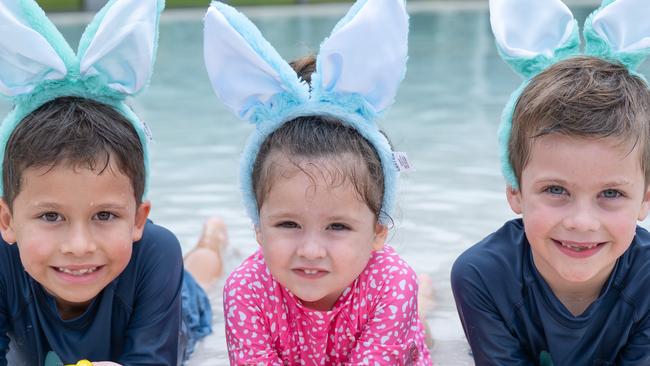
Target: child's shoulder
12,273
157,249
499,256
633,270
158,239
252,273
387,269
388,261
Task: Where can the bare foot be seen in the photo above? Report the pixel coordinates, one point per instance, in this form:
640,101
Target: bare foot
204,261
426,303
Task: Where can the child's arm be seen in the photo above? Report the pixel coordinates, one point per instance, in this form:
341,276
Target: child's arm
248,336
393,334
4,339
152,335
637,350
488,334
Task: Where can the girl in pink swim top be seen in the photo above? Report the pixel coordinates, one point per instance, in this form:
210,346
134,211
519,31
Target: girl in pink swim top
319,180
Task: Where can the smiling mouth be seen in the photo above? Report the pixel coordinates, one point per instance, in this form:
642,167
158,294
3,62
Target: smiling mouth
78,272
310,272
578,247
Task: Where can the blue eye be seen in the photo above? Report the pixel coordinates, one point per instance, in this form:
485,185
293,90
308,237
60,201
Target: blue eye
104,216
555,190
611,193
51,217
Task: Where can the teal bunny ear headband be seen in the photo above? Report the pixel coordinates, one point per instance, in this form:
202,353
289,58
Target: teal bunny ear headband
358,70
114,61
532,35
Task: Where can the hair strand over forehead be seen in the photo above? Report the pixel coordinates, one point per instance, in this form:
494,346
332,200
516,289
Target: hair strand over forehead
75,131
584,97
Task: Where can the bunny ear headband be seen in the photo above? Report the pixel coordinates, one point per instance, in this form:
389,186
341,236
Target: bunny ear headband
358,70
114,61
532,35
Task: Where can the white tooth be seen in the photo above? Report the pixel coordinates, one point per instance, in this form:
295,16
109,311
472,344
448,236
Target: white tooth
79,272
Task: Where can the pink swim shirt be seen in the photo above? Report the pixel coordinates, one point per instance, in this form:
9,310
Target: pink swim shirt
374,322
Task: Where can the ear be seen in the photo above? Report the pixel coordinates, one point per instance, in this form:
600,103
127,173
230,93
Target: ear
532,34
120,44
621,27
381,233
514,199
645,205
366,53
245,70
258,234
141,215
26,55
6,223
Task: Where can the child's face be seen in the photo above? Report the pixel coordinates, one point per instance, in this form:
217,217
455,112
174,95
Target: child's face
580,200
316,238
74,228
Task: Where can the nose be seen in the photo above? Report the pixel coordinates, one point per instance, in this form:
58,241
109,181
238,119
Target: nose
79,241
582,217
311,248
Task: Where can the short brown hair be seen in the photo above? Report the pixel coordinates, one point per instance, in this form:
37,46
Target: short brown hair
74,131
585,97
319,137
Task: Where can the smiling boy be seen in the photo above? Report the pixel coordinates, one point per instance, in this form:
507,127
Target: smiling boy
80,265
83,273
569,279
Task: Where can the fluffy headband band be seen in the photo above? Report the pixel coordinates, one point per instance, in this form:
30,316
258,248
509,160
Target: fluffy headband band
358,70
114,61
532,35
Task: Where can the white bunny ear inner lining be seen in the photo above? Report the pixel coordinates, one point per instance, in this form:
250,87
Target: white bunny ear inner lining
367,55
625,25
26,57
239,75
528,28
123,47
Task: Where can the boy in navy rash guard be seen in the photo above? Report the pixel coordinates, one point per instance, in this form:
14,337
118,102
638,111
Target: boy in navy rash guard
89,276
568,283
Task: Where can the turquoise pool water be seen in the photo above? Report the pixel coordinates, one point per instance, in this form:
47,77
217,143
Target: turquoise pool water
445,118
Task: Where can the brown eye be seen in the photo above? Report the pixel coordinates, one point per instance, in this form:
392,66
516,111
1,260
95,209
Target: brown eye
337,226
288,225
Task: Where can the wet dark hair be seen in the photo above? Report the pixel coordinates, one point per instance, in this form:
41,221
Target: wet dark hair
346,155
585,97
75,131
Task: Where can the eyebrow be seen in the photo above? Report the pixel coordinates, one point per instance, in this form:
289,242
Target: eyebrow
561,182
101,206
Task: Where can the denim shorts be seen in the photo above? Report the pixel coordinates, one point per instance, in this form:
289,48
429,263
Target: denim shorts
196,314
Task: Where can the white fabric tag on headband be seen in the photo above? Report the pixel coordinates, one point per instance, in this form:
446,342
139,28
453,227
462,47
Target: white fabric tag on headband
402,162
147,130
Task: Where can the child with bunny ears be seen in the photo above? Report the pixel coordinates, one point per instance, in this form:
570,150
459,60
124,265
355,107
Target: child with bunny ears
83,273
319,179
567,284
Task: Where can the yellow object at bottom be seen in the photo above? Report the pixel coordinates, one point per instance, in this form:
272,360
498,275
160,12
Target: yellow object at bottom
82,363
